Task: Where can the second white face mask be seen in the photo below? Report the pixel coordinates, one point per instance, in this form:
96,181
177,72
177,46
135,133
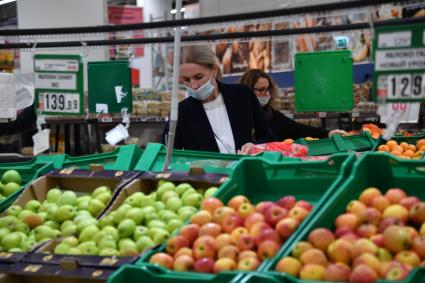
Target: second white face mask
202,92
263,100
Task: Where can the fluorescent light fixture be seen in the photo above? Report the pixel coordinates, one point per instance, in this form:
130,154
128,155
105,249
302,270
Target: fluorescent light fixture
2,2
175,11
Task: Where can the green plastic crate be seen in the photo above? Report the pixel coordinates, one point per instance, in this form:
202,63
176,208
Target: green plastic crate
123,158
132,274
29,171
154,155
400,139
371,170
337,143
260,180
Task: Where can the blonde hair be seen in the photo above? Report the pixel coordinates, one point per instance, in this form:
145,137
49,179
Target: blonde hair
201,55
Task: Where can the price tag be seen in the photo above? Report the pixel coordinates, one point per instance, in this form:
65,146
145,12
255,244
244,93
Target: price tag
59,102
109,261
322,114
404,86
56,81
59,65
355,114
395,39
32,268
408,112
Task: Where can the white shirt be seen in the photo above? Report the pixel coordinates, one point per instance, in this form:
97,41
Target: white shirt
220,124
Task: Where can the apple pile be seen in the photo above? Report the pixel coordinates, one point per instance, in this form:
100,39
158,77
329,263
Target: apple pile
141,222
238,236
404,149
379,236
10,183
21,228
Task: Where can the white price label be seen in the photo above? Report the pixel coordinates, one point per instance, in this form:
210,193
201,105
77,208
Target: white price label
59,102
395,39
400,59
322,114
405,86
59,65
406,112
56,81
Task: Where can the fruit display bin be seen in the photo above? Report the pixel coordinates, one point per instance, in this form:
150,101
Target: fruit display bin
28,171
337,143
399,139
153,159
379,170
122,158
259,180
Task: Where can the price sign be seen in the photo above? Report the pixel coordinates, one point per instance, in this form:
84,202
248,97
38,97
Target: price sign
399,53
59,86
59,102
406,112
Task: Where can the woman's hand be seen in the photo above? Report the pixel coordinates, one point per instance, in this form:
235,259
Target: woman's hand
245,149
338,132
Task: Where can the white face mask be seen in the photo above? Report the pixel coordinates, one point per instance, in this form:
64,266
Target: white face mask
202,92
263,100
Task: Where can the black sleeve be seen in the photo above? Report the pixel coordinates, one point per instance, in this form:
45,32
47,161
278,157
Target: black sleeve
286,128
24,121
263,131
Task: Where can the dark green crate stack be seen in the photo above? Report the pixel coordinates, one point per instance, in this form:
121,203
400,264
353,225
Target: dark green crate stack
212,162
259,180
371,170
337,143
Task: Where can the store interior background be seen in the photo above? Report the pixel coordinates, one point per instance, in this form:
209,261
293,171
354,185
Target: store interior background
25,14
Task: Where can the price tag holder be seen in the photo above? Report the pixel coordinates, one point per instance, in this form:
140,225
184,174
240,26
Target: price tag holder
406,112
322,114
56,102
117,134
41,141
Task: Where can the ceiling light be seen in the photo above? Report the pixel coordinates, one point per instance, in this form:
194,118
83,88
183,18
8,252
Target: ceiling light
175,11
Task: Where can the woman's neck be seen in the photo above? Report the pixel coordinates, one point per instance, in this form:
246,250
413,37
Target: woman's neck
213,96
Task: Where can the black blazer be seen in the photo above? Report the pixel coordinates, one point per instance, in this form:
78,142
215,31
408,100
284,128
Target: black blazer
247,120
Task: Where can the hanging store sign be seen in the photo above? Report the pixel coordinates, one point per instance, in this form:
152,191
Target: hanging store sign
399,58
59,88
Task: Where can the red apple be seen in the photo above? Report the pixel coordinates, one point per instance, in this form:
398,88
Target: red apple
384,255
396,211
300,247
417,213
378,240
321,238
366,230
190,232
351,237
267,234
201,217
245,254
163,259
203,249
312,272
408,257
362,246
230,251
340,251
337,272
369,260
348,220
397,239
231,222
224,264
183,263
372,216
184,251
409,202
395,195
368,195
274,214
286,202
261,207
237,233
245,209
205,265
304,204
387,222
245,242
289,265
223,240
418,246
210,229
357,208
342,231
286,227
363,274
380,203
298,213
236,201
221,212
256,229
267,249
211,204
252,219
395,270
314,256
174,244
412,231
248,264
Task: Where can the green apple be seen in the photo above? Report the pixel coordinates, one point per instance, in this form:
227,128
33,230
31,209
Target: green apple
74,251
151,216
65,212
12,240
140,231
126,228
174,203
209,192
28,244
10,188
33,205
186,215
2,186
134,199
160,237
187,208
71,241
164,187
182,188
82,216
43,215
192,200
156,224
148,200
84,198
111,232
106,243
173,225
69,230
167,195
153,231
167,215
61,248
14,210
53,195
159,206
9,222
104,197
127,246
120,213
135,214
188,192
45,206
3,232
109,252
107,220
22,227
96,207
99,236
66,224
68,197
52,224
100,190
144,242
44,232
84,223
87,233
11,176
88,248
148,210
51,211
84,212
83,205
